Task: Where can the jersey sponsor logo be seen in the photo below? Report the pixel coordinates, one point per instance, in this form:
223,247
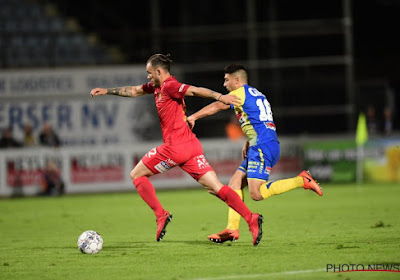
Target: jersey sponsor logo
163,166
241,119
160,168
171,162
270,125
182,87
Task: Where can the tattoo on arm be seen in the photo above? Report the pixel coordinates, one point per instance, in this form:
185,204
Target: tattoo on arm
215,95
121,91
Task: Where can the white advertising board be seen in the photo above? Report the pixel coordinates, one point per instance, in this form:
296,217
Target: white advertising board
91,121
61,98
67,81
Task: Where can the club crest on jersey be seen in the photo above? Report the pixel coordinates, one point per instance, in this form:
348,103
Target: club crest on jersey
159,95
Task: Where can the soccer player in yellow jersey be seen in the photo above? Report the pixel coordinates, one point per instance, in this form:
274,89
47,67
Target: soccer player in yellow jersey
260,152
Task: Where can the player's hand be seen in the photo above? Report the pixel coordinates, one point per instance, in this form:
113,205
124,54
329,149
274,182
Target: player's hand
98,91
230,99
191,121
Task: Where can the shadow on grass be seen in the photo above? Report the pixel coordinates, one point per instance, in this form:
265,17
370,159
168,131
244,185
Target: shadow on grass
202,243
146,244
152,244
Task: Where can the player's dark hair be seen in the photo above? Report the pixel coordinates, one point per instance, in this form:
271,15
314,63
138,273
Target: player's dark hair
161,60
233,68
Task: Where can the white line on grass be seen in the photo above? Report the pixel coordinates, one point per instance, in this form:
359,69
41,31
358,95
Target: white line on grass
261,275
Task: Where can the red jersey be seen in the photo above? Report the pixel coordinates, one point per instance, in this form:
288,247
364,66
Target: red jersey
171,110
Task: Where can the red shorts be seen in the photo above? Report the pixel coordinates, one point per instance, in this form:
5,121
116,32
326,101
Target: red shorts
188,156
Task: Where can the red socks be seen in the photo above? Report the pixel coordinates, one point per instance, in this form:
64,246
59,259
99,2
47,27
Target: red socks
233,200
146,190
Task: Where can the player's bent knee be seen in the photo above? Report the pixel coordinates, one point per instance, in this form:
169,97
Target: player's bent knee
133,175
140,170
210,190
211,182
256,196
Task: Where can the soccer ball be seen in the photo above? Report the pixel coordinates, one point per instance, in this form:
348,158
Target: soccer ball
90,242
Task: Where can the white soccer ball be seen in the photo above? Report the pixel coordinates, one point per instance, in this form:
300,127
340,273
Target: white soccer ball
90,242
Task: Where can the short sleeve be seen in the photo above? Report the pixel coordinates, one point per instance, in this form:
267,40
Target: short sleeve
176,89
239,93
148,88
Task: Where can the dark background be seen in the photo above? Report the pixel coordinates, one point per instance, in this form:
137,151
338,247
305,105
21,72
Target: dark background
204,36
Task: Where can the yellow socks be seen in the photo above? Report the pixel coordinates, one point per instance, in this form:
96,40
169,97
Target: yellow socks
271,188
267,189
233,216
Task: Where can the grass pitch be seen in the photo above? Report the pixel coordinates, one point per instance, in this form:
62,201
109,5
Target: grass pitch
303,233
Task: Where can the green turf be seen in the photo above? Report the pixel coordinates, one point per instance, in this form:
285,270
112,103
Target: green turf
350,224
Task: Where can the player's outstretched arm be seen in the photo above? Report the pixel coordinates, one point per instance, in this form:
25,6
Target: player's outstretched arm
208,110
208,93
129,91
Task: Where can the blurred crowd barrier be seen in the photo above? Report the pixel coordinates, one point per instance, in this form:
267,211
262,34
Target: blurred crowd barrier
106,168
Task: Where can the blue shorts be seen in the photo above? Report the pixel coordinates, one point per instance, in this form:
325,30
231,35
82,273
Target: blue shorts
260,159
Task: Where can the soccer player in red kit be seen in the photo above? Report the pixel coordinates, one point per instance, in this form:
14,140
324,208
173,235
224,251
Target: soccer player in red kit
181,146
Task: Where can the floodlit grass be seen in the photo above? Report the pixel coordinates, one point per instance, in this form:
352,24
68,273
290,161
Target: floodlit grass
303,233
